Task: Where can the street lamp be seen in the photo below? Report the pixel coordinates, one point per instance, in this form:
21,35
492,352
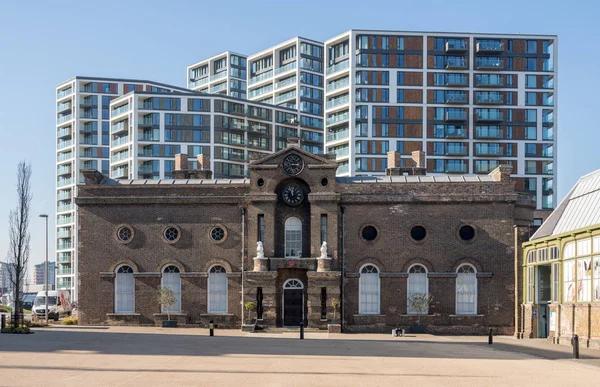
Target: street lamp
46,217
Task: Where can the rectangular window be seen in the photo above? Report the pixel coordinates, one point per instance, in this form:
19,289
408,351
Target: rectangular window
323,228
597,278
584,280
530,115
261,228
530,287
400,96
530,99
569,281
555,281
531,47
530,133
400,78
531,81
531,64
259,303
584,246
323,303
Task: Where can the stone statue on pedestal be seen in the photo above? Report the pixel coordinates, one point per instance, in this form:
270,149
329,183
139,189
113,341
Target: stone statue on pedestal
260,252
324,250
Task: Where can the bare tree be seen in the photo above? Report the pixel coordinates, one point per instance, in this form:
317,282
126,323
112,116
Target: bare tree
18,234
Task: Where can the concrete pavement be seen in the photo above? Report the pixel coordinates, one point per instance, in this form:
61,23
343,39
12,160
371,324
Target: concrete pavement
132,356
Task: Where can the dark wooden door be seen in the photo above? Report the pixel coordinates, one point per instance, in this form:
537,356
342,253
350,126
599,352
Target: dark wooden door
292,307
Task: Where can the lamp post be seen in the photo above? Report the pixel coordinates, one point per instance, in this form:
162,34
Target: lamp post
46,302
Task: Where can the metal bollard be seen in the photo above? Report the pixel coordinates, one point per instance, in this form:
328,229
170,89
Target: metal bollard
301,331
211,328
403,333
491,337
576,346
3,323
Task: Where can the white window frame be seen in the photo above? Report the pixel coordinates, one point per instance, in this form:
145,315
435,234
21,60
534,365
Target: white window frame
212,279
530,284
176,291
119,294
556,282
363,293
473,277
569,281
292,224
408,285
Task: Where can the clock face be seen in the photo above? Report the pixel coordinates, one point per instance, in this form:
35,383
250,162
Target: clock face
292,195
293,164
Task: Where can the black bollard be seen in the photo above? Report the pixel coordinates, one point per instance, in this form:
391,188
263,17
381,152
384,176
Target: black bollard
3,324
301,331
576,346
211,328
490,337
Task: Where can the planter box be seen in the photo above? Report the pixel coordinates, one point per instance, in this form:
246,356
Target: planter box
169,324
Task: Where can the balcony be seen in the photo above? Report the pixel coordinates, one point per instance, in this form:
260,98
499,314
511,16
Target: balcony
119,126
341,135
120,156
64,233
455,116
261,77
457,81
218,88
285,82
338,67
343,168
287,67
148,137
199,82
218,76
455,168
259,144
489,64
455,133
63,258
489,99
491,115
120,110
144,168
88,102
489,151
456,45
232,141
338,101
64,195
489,133
456,98
233,157
63,106
64,156
284,97
119,173
64,93
485,167
63,132
340,152
64,118
63,182
119,141
454,63
64,220
490,47
489,82
456,151
64,246
260,91
64,283
64,208
65,271
338,118
63,170
345,82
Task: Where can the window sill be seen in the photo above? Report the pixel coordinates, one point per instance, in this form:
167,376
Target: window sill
419,315
216,314
467,315
122,314
369,315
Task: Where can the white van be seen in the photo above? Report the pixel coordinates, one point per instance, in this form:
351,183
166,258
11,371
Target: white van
59,304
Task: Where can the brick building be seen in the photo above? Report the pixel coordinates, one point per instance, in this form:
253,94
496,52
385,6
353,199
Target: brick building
388,240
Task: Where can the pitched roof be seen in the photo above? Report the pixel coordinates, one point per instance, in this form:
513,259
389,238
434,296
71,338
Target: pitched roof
579,209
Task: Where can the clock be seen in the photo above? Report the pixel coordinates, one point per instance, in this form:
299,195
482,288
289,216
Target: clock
292,195
293,164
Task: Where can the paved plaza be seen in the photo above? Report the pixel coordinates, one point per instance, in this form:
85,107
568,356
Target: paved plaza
123,356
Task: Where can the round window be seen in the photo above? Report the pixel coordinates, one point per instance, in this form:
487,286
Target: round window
171,234
217,234
124,233
466,233
260,182
324,181
369,233
418,233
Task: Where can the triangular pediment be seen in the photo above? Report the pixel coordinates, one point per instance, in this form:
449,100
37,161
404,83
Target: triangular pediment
276,158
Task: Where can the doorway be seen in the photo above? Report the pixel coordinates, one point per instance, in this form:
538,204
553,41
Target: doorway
293,303
543,299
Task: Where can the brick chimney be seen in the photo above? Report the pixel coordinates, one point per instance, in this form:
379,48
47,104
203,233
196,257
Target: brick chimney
203,161
419,158
502,173
396,165
181,161
394,159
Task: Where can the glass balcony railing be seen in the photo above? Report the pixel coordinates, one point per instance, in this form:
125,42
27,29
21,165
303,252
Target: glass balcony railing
285,82
65,195
343,168
489,82
233,141
199,82
456,116
63,170
120,156
66,207
119,141
64,156
456,63
456,45
63,182
455,151
490,64
284,97
119,126
65,118
64,220
63,132
338,67
63,258
233,157
218,76
491,115
64,283
488,151
119,173
455,133
218,88
259,144
338,101
64,234
456,81
287,67
338,118
340,152
261,77
67,271
64,144
489,133
456,168
490,46
490,99
338,84
343,134
148,137
119,110
456,98
64,246
64,93
63,106
261,91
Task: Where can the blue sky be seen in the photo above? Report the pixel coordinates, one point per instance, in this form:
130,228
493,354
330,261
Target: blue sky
44,43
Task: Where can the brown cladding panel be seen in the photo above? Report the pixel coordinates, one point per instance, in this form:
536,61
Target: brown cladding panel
413,43
413,61
413,95
518,132
413,79
413,130
430,44
430,61
519,46
430,96
411,146
430,165
413,113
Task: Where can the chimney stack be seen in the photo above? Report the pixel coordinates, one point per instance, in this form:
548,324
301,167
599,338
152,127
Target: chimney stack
419,158
397,167
502,173
181,162
203,162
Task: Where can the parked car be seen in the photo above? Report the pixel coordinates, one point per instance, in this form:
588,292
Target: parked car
59,304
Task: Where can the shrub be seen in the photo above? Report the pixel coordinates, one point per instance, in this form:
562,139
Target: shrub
7,308
73,320
18,330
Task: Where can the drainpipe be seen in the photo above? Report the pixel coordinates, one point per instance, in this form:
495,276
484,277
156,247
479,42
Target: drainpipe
343,264
243,212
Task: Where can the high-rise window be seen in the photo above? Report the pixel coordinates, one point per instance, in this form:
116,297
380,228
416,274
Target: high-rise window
532,47
531,64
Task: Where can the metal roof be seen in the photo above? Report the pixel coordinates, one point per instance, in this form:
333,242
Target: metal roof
416,179
579,209
175,182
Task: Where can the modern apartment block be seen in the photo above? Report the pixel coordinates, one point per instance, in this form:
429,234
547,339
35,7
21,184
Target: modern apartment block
83,142
148,129
470,101
223,74
39,274
290,75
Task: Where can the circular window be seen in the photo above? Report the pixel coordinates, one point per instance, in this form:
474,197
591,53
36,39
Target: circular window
466,233
260,182
324,181
418,233
218,234
369,233
171,234
124,233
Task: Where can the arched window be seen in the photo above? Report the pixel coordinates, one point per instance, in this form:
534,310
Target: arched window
293,237
418,285
172,279
124,290
466,290
369,290
217,290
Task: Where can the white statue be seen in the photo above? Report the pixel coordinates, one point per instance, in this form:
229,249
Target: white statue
260,252
324,250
